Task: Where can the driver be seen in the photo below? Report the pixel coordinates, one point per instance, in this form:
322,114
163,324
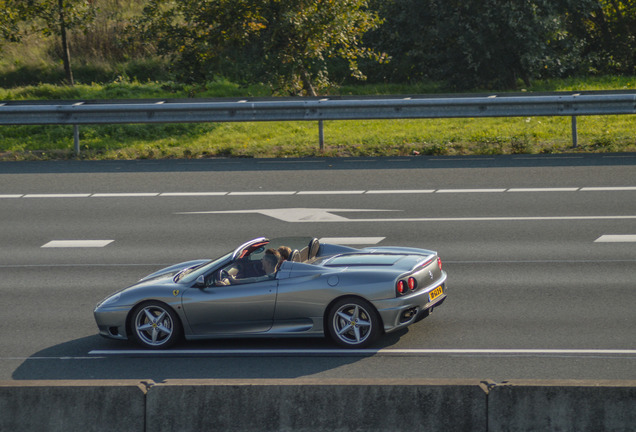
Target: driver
270,261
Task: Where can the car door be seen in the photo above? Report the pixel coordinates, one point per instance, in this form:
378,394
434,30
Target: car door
231,309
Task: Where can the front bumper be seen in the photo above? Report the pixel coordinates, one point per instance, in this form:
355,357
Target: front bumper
400,312
111,322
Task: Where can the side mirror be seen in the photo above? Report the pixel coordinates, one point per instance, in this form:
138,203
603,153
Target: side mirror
200,282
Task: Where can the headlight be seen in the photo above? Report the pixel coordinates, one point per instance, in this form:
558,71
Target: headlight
109,300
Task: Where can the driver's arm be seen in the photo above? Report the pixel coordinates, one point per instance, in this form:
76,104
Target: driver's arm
231,279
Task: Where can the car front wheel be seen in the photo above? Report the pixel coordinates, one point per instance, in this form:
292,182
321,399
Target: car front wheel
353,323
155,325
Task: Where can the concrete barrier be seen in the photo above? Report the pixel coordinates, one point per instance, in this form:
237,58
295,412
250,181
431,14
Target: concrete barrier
533,405
318,405
72,406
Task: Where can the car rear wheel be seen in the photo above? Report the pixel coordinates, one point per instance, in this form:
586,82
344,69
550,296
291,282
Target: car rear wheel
154,325
353,323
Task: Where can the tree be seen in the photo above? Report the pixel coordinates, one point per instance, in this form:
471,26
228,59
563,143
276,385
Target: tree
409,33
9,19
57,17
606,31
478,43
301,37
497,41
289,43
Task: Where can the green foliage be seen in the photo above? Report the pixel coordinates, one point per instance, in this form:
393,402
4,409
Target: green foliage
288,43
56,17
9,18
469,43
46,16
301,38
605,33
498,43
294,46
312,46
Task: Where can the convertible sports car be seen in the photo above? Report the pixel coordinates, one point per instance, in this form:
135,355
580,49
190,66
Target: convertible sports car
351,295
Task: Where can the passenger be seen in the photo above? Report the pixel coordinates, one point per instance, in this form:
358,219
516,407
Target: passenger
285,252
274,252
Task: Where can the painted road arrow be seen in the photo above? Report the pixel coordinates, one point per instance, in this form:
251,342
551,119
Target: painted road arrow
297,214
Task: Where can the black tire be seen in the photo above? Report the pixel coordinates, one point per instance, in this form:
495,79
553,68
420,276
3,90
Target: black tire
154,325
353,323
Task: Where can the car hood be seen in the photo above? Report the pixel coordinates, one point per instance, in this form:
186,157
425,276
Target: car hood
155,286
172,270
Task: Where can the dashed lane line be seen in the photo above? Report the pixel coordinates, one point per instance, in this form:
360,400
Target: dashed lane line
614,238
77,243
319,192
352,240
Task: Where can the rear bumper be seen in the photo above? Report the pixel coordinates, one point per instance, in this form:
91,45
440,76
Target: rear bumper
402,311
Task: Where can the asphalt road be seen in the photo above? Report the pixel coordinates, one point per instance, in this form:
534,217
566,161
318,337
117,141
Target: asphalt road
540,252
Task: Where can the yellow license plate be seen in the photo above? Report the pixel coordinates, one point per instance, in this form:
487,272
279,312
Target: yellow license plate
436,293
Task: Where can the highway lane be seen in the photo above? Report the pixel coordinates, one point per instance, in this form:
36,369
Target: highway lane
514,284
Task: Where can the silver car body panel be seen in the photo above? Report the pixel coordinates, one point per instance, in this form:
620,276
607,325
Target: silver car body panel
294,303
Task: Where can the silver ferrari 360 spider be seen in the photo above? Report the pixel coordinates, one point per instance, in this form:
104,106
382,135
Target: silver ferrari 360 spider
350,295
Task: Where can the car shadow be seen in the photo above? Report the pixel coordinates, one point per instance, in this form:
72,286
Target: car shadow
94,357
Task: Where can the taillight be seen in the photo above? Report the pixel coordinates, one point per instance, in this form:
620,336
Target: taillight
439,262
412,283
401,287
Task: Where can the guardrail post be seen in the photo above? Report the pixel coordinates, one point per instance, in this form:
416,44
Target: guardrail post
575,135
321,135
76,139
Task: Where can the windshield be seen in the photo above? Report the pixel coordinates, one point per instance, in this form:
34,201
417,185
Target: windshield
190,275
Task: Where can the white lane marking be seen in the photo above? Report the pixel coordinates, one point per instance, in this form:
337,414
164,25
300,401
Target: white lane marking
543,189
338,192
414,191
570,261
77,243
262,193
603,189
469,190
352,240
190,194
368,352
322,192
124,195
497,219
156,265
57,196
610,238
326,215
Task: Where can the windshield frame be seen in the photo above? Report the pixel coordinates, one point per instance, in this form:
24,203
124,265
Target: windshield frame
190,275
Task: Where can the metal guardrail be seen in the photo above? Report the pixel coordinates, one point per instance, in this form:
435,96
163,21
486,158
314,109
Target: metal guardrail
315,109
